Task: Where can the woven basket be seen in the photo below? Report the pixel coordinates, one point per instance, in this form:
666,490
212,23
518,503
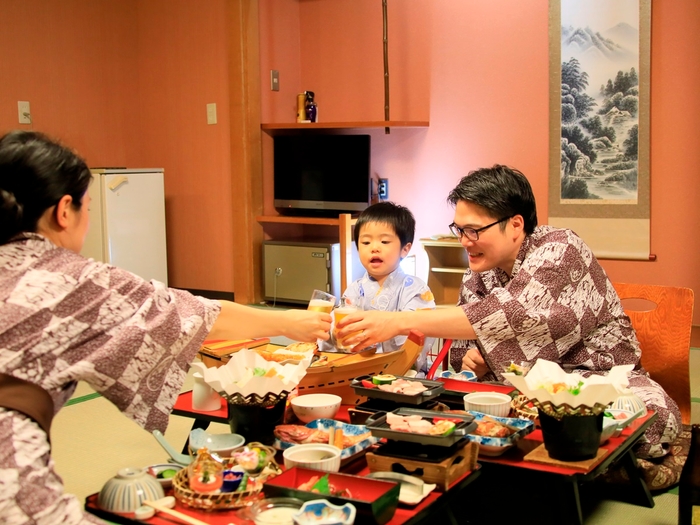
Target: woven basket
268,400
223,500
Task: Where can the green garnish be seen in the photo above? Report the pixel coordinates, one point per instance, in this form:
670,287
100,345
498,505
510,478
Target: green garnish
608,414
167,474
257,371
322,485
576,390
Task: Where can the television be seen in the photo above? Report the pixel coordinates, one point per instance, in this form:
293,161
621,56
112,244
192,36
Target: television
321,175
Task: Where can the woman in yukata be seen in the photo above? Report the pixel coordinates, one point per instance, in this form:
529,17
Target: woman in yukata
64,319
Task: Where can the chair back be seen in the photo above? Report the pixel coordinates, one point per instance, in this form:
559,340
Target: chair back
663,322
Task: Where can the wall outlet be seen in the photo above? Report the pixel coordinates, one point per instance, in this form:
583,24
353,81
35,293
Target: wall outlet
383,189
211,113
23,112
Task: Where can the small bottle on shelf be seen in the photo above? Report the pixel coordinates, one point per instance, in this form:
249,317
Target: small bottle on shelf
311,108
689,486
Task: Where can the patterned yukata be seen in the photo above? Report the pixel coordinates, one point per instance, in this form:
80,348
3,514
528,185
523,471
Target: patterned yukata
64,318
560,305
400,292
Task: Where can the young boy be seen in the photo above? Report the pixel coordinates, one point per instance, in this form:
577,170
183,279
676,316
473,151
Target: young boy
383,235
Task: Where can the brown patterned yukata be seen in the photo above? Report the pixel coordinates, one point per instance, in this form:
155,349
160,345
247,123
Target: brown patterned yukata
560,305
64,318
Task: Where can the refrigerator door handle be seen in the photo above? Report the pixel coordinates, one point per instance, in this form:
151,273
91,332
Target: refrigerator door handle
118,181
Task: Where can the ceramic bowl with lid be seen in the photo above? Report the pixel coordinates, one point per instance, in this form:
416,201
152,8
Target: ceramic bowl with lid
127,491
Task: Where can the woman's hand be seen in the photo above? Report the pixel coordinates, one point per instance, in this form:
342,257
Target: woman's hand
305,325
368,327
474,361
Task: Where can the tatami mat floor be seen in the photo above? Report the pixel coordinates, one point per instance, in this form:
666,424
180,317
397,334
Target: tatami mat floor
91,440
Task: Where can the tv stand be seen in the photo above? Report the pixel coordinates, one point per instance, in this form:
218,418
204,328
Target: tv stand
344,222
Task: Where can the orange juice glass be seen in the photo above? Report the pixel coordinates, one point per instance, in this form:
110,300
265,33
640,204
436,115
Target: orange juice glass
340,313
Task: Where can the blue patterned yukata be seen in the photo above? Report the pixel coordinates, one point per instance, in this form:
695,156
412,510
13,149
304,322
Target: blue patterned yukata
400,292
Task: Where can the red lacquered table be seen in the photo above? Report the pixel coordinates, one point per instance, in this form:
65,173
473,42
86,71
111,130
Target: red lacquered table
436,503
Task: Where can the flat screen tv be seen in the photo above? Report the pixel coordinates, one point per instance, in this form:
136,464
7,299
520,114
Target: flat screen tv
321,174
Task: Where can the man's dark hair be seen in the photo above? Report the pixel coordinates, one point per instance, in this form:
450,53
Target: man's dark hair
501,190
398,217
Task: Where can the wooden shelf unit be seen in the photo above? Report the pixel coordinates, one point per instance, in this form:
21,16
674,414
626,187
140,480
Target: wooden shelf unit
344,222
272,127
447,261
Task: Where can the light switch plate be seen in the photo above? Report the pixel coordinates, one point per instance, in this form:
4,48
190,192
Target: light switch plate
274,80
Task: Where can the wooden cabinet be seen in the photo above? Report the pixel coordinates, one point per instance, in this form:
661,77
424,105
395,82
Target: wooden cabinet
447,261
344,222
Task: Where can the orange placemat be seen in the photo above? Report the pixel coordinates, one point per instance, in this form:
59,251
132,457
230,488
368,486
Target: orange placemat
540,455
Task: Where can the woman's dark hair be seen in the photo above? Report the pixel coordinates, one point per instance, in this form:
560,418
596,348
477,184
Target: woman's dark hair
503,191
398,217
35,173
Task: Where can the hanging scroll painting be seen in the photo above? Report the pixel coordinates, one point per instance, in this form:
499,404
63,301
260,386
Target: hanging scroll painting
599,123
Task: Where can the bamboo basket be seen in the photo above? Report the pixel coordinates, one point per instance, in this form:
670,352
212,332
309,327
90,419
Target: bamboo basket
213,501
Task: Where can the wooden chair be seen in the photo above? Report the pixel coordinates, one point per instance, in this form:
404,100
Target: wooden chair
662,317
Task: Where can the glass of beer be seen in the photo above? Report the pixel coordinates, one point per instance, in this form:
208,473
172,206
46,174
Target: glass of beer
338,314
321,302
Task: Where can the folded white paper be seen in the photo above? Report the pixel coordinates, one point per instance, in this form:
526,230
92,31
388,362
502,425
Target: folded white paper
248,373
547,382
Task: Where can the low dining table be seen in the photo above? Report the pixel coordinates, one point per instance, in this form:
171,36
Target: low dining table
441,506
453,505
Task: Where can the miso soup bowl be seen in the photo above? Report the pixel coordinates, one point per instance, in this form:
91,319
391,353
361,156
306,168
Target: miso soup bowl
492,403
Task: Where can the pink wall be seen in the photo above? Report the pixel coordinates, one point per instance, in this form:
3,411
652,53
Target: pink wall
484,67
126,83
181,67
73,61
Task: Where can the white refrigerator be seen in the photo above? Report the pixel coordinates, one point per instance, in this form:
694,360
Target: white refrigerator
127,221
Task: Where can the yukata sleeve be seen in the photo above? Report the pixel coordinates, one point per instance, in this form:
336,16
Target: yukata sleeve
543,311
137,341
413,294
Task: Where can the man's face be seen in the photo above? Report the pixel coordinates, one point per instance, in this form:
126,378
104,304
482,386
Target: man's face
495,248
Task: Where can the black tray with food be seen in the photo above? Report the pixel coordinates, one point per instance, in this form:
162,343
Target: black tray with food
400,389
359,413
427,427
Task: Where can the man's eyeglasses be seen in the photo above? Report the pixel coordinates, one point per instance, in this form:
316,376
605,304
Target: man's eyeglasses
471,233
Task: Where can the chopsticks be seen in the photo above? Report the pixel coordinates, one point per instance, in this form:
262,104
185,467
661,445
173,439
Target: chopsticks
174,513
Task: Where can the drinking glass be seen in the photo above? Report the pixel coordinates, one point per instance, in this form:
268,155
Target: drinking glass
340,313
321,302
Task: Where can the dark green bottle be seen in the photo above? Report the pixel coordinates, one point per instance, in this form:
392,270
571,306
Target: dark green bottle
689,486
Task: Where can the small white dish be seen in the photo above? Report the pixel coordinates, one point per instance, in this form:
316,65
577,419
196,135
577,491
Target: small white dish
317,456
323,512
412,491
493,403
220,444
622,418
157,470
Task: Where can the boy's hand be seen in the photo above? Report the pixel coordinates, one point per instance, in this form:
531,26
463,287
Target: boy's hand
367,327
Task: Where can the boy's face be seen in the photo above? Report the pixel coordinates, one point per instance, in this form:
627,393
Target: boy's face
380,250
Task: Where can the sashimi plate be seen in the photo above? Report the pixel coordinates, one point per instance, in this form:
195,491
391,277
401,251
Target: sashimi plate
348,454
495,446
